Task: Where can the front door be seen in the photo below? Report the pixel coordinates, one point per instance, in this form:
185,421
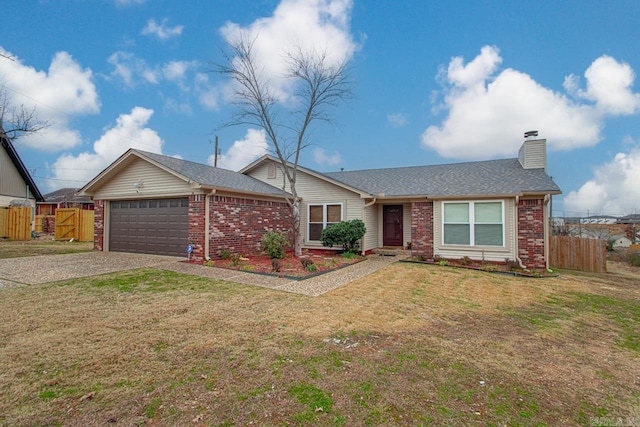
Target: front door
392,225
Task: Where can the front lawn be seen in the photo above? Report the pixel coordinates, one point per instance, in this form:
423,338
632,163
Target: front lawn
409,345
44,245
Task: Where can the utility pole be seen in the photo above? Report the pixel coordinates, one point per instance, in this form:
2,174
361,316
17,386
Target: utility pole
215,157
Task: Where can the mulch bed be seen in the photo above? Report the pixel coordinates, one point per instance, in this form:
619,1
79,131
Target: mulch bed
499,268
290,267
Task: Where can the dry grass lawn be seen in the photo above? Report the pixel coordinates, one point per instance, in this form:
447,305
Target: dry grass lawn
409,345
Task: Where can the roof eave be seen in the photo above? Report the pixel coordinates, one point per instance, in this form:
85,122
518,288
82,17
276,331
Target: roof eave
22,169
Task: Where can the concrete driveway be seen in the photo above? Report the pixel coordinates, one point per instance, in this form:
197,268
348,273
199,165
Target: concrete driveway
40,269
52,268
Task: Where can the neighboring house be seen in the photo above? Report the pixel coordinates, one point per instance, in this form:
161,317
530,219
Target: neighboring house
621,241
488,210
17,188
63,198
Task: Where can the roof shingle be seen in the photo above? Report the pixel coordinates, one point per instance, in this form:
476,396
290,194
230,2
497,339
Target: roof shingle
213,177
483,178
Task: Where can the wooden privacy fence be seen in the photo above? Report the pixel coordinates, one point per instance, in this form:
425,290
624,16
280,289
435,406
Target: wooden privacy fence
577,253
15,222
74,223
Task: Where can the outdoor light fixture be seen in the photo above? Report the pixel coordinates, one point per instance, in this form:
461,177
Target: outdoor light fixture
138,185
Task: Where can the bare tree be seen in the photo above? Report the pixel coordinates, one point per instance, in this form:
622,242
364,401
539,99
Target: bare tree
317,83
16,122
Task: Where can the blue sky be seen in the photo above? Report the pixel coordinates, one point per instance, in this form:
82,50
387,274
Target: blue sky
434,82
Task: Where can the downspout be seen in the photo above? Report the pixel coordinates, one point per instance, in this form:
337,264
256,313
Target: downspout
366,205
547,199
520,264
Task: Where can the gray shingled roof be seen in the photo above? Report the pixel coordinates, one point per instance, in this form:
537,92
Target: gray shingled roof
499,177
213,177
66,195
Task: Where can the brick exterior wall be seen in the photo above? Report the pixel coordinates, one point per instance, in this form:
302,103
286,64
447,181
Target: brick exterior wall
422,229
238,224
49,224
98,225
531,233
196,214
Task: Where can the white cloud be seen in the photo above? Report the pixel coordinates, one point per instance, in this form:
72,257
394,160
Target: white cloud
208,94
133,71
310,25
64,91
613,189
162,30
321,157
243,152
396,120
608,85
130,131
487,111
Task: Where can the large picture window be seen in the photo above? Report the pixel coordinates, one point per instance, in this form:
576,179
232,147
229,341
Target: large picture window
322,215
473,223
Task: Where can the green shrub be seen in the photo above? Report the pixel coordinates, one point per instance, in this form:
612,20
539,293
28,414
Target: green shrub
634,259
275,244
225,254
345,233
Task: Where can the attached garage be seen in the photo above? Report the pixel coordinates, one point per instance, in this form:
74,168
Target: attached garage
150,226
155,204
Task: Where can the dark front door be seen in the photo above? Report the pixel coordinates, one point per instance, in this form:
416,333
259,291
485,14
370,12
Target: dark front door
392,225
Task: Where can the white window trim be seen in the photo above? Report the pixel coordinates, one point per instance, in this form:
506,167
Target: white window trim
472,223
324,216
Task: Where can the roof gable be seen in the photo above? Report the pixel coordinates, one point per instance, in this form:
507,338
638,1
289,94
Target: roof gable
196,174
22,170
325,177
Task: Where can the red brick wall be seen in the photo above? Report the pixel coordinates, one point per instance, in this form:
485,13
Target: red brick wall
98,225
238,224
197,225
422,229
49,224
531,233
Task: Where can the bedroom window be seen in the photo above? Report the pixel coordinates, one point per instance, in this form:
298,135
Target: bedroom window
322,215
473,223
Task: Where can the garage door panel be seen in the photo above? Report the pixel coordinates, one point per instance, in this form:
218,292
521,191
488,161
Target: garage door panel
157,226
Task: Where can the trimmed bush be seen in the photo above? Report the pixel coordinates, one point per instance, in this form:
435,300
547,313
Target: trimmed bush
275,244
346,234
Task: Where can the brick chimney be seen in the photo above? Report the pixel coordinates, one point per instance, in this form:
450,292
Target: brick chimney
533,152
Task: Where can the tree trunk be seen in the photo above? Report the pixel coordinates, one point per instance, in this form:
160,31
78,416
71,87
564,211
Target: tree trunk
297,237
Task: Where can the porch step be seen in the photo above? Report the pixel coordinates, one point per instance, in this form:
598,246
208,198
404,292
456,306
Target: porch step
391,252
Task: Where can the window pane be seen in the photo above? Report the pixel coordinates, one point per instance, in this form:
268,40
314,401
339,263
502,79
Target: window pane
316,213
489,234
315,231
334,213
456,212
488,212
456,234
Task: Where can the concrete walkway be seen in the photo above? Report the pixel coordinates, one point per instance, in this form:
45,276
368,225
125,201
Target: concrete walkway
52,268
